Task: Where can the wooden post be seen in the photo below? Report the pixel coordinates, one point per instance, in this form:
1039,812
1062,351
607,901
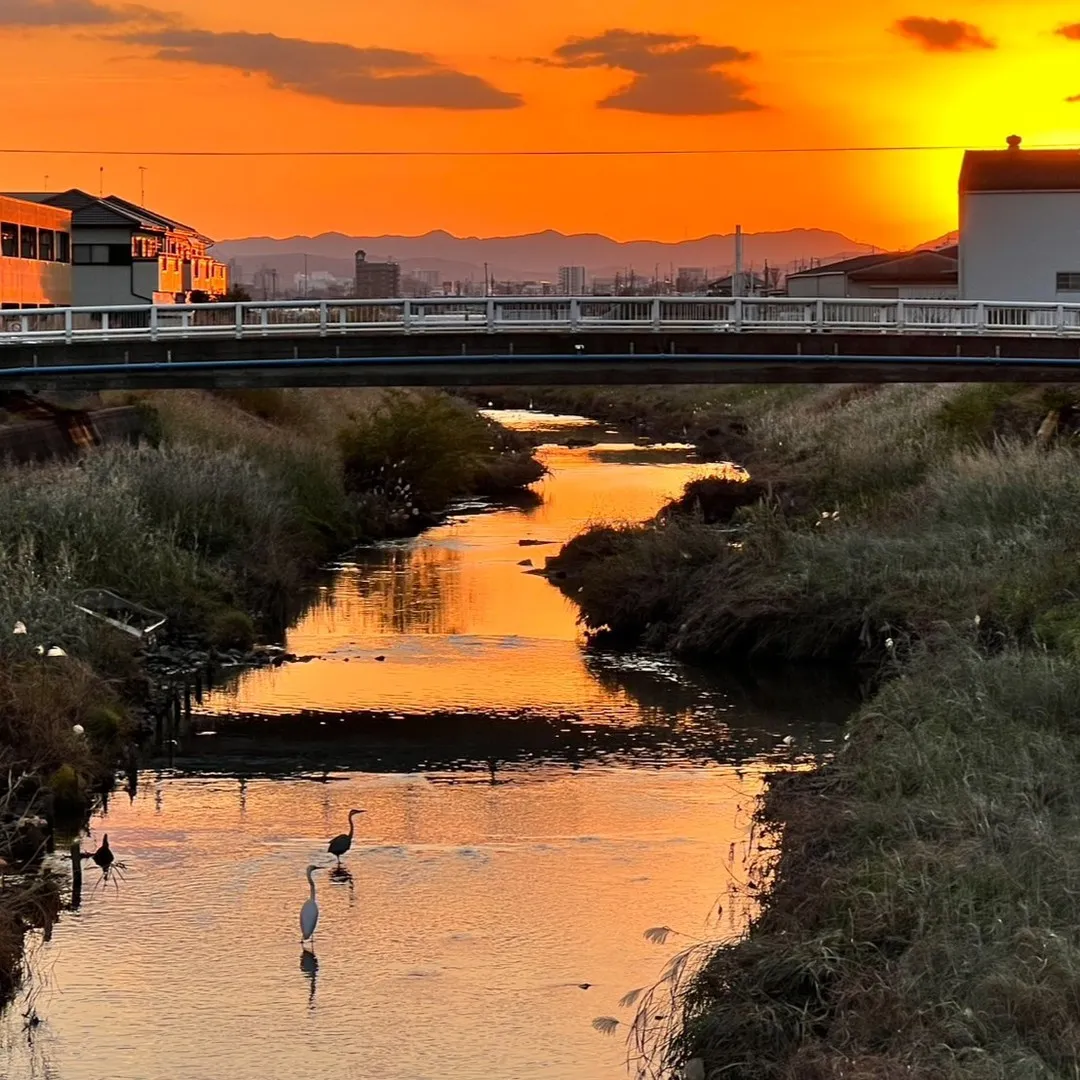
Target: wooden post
76,874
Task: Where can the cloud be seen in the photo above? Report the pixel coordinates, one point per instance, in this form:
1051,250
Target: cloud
55,13
944,35
673,74
1070,31
342,73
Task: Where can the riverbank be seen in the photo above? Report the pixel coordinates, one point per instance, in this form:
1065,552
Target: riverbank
216,521
920,918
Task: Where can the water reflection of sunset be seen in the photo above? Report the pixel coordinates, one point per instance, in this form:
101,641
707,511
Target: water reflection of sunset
460,623
473,914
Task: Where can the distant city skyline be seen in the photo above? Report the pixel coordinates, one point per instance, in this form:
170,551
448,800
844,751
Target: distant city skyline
424,76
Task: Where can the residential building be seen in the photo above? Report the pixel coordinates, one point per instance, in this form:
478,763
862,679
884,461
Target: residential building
894,275
571,280
1020,225
35,255
125,254
376,280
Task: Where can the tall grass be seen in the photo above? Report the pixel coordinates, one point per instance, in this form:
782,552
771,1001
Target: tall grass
921,920
923,916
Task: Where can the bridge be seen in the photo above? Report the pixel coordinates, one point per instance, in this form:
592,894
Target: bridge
526,341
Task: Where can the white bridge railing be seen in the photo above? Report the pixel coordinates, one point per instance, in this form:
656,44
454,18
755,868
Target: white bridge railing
556,314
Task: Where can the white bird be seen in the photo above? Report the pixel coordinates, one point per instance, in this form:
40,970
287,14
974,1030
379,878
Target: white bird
789,740
309,913
55,650
19,628
78,729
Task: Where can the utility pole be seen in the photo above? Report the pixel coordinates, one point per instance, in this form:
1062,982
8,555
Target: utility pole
736,284
305,276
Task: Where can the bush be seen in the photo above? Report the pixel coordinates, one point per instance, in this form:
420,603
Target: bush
103,725
420,451
67,789
232,630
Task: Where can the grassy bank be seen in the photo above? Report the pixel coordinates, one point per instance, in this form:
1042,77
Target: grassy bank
921,919
228,507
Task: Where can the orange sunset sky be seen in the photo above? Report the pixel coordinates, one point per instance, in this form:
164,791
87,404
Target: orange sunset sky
488,75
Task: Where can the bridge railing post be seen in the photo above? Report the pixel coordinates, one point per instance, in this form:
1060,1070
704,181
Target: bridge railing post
901,317
69,326
406,316
104,322
490,314
240,320
656,313
575,313
819,315
980,317
1060,328
738,314
322,318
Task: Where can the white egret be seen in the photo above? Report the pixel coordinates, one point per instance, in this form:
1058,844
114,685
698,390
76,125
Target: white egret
309,913
340,844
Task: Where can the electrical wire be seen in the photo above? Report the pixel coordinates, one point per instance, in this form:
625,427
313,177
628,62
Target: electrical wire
680,152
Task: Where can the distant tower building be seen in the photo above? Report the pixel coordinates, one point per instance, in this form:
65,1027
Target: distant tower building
376,281
571,280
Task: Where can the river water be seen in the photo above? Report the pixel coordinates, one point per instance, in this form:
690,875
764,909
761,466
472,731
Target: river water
531,809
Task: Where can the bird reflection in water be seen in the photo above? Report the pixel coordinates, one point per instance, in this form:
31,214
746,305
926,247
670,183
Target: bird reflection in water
309,965
340,875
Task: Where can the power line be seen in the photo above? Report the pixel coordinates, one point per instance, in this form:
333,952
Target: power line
684,152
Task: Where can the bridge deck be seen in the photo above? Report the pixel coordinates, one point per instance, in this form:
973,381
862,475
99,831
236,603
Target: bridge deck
508,341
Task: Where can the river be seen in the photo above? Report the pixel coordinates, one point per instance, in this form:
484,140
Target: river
531,808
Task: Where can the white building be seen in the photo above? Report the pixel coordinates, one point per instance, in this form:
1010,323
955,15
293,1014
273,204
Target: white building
571,280
1020,225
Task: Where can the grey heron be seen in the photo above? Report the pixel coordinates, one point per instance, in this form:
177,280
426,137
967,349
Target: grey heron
309,913
340,844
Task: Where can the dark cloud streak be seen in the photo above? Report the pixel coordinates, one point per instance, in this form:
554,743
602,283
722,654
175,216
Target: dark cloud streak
344,74
1070,32
944,35
64,13
673,74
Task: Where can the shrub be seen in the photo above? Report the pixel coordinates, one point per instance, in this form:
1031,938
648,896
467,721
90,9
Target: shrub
232,630
67,788
103,724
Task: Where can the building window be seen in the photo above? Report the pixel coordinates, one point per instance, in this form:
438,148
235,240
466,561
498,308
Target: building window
9,240
63,247
46,245
28,241
1069,281
97,254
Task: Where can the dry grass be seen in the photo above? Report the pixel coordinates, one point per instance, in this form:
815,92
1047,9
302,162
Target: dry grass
922,918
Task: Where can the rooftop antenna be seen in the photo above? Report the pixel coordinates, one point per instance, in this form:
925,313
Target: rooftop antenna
46,181
101,180
142,185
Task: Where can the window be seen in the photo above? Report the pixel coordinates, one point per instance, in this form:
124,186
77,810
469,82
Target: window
1069,281
28,241
9,240
63,247
45,245
102,254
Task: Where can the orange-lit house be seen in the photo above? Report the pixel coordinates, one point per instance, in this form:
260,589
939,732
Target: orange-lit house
35,254
125,254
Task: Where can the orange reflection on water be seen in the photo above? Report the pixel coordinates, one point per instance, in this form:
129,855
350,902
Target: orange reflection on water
474,913
459,622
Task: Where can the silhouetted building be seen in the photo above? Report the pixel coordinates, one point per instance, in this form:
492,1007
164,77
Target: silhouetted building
571,280
894,275
1020,225
376,280
35,255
